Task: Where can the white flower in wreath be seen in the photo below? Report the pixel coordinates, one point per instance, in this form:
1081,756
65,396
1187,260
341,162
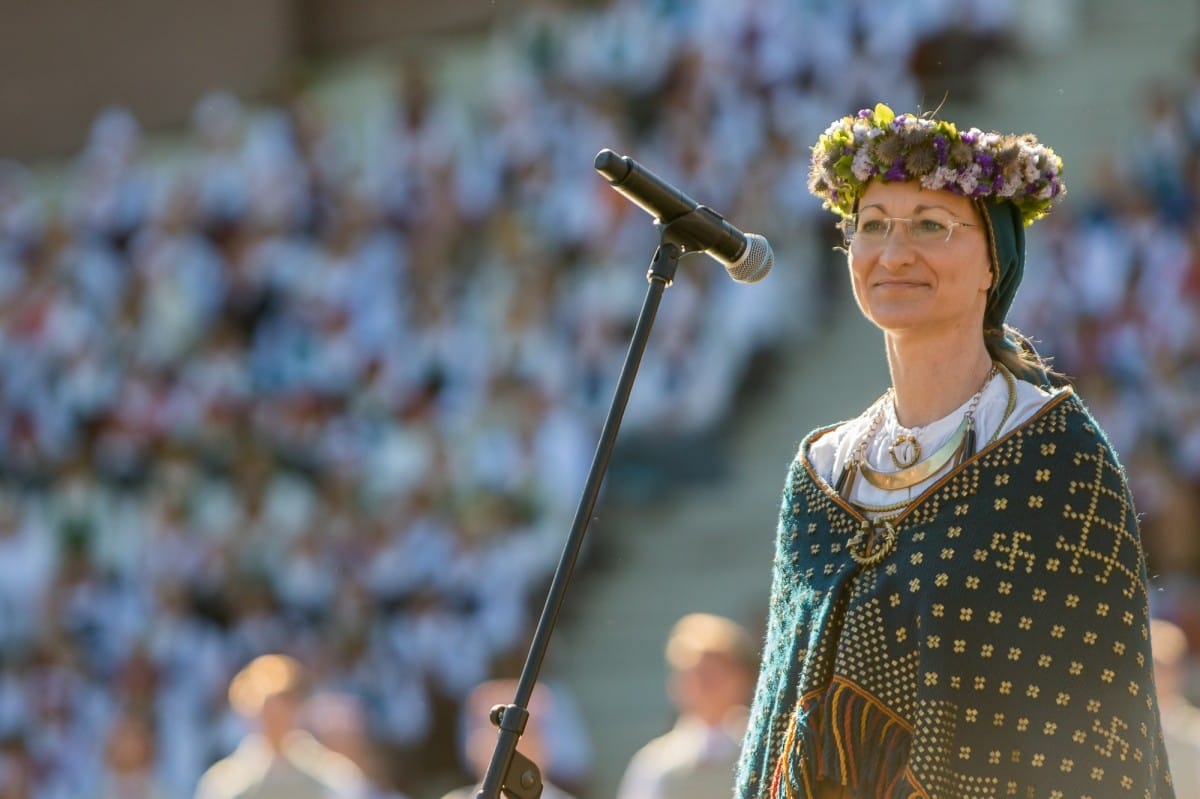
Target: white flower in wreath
862,167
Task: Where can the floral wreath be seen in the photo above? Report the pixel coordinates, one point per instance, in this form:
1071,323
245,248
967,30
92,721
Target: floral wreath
855,150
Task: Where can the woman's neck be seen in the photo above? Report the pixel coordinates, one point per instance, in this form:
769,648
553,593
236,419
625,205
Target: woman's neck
931,380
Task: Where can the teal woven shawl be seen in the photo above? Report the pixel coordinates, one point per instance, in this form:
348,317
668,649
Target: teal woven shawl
1002,649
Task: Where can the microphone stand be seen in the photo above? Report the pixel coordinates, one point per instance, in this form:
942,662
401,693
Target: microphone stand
511,772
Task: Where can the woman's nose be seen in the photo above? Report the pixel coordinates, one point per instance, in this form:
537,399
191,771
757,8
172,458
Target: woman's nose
897,249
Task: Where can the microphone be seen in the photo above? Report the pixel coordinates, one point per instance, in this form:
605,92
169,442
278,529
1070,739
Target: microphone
747,257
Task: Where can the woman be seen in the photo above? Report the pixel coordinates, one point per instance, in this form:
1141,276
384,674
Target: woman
959,601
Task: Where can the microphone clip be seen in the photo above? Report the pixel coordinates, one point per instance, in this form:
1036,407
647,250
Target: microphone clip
691,231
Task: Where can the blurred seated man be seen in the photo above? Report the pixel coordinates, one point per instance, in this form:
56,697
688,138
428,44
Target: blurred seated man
712,665
278,759
1180,718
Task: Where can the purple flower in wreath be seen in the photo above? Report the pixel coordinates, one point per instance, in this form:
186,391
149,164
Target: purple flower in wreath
896,172
942,148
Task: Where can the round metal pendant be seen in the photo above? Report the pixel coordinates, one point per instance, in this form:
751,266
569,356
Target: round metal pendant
905,451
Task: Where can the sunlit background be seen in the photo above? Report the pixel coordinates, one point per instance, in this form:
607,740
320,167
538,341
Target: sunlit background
310,313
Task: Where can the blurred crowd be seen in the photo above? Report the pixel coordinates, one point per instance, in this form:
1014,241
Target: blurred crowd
1113,294
331,387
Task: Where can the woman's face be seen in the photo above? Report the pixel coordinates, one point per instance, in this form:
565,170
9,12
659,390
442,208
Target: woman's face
928,276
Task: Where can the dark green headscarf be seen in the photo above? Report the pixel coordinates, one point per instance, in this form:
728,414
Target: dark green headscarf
1006,236
1006,231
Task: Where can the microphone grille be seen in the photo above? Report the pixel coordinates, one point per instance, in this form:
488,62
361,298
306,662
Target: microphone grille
755,262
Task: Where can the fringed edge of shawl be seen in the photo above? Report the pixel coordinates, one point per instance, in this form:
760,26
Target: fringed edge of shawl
846,735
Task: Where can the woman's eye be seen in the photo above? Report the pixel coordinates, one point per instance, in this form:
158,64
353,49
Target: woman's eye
930,227
872,226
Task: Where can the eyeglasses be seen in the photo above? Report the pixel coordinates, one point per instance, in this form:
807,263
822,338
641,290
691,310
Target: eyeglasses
922,231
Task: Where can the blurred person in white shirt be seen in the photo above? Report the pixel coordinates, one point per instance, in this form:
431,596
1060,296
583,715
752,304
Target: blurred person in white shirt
277,759
712,662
